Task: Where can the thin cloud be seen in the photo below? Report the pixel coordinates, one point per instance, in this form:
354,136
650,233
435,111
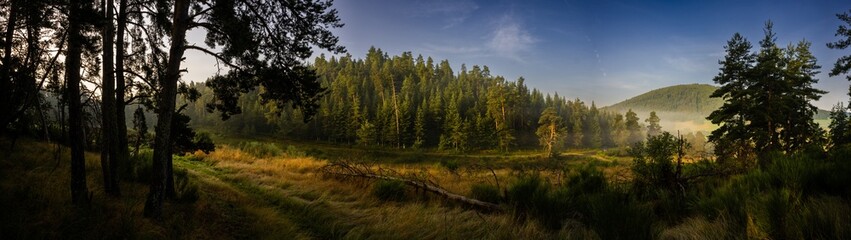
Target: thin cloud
454,13
453,50
510,38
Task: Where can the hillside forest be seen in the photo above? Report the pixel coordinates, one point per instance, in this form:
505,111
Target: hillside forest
407,102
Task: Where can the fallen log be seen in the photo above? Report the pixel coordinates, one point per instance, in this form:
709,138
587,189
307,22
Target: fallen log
345,169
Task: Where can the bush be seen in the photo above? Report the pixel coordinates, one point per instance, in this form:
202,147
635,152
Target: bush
261,150
390,190
451,165
615,215
316,153
187,192
138,167
531,196
486,192
293,152
824,218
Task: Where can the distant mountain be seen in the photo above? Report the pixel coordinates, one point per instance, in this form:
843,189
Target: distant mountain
687,99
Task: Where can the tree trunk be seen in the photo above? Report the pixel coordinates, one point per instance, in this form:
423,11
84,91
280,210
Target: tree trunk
108,117
165,111
6,78
79,190
396,114
121,154
170,193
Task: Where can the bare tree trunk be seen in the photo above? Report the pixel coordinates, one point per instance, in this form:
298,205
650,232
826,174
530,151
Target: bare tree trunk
396,113
6,78
165,111
170,193
108,104
122,153
79,190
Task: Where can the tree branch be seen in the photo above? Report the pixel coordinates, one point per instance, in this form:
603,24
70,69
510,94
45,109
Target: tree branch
218,57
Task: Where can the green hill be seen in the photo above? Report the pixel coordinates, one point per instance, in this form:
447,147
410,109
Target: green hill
688,98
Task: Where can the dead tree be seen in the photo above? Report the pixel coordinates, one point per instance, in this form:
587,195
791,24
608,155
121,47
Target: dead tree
346,169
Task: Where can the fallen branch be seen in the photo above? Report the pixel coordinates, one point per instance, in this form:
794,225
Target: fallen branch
346,169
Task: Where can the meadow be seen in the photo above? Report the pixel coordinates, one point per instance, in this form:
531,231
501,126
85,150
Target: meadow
262,189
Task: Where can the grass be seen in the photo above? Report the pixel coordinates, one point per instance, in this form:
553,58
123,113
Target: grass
263,190
36,203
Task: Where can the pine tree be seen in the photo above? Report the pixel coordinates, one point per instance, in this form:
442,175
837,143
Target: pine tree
730,138
843,64
550,132
593,130
619,133
767,99
420,127
140,126
840,126
632,127
366,133
653,127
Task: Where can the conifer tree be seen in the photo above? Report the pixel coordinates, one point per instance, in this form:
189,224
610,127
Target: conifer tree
550,132
653,127
632,127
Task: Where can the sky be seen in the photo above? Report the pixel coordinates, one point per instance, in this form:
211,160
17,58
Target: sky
601,51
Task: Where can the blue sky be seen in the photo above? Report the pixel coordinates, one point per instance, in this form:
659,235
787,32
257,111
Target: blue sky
602,51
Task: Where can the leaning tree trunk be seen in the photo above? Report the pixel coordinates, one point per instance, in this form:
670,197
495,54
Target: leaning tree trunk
108,130
79,190
165,111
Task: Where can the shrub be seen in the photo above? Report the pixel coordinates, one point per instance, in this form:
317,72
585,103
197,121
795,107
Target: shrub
138,166
316,153
486,192
531,196
824,218
293,152
390,190
451,165
615,215
186,191
261,150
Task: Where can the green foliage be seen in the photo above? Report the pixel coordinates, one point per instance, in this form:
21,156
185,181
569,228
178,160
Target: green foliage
689,98
531,196
397,102
653,127
204,143
450,164
823,218
586,197
843,64
759,91
654,164
187,192
550,132
186,140
293,151
633,127
486,192
840,125
138,167
388,190
261,149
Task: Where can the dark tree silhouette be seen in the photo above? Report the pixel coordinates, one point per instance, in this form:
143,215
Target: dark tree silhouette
262,42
